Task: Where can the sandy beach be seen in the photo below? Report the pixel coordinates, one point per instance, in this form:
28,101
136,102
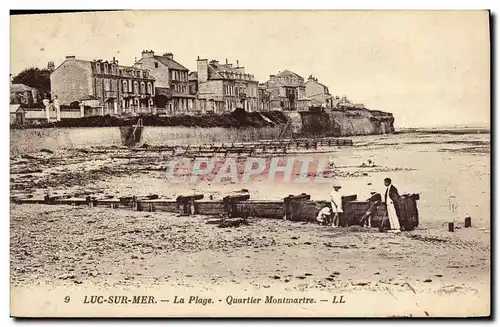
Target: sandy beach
55,247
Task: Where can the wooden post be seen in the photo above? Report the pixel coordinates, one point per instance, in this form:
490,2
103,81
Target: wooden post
185,204
135,207
291,202
89,201
230,202
191,207
468,222
151,207
286,207
451,227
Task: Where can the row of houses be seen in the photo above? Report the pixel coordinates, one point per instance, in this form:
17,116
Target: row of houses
158,84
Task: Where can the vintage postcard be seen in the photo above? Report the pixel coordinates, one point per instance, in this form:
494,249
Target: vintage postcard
250,164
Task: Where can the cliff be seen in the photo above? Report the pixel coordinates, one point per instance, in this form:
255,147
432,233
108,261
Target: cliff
348,122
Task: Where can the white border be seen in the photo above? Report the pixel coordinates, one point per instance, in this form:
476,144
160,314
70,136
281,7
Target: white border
186,5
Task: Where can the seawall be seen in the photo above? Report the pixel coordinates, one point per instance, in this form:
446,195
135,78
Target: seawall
23,141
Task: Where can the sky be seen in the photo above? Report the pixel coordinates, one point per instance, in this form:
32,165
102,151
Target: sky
429,68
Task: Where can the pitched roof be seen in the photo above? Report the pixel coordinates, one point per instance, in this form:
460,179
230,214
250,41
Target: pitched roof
289,72
213,72
20,88
170,63
193,76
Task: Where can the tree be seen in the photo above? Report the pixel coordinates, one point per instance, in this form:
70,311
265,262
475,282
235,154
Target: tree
34,77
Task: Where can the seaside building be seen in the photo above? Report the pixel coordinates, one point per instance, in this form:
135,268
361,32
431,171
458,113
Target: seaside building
23,94
318,93
288,91
118,90
224,87
264,98
171,80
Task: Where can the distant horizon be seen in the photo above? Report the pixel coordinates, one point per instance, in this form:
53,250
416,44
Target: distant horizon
478,126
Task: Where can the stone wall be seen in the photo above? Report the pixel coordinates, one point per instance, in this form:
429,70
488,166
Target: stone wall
348,122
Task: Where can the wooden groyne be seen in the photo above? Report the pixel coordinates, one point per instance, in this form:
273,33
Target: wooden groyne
293,207
262,147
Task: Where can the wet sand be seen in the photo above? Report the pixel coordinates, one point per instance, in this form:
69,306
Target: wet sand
58,246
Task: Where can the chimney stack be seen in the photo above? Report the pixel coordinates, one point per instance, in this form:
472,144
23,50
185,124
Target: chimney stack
51,66
237,63
226,61
148,54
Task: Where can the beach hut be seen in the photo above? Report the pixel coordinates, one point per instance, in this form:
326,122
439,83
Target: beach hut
17,113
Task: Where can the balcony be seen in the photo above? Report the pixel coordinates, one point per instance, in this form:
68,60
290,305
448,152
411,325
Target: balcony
110,94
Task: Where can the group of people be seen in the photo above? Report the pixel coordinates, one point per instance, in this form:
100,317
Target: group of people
333,213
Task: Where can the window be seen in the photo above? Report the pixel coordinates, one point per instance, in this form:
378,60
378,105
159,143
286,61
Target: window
156,65
98,67
136,87
107,85
130,86
150,91
143,88
105,68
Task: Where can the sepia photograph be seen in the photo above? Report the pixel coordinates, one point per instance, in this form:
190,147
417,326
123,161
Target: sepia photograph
250,163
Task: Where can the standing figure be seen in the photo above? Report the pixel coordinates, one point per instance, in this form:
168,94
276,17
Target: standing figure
57,107
391,199
336,200
46,103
